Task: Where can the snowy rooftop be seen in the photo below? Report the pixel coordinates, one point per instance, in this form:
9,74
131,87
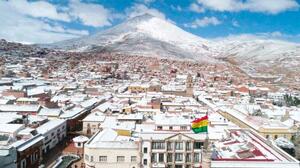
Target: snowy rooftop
11,128
246,145
50,112
19,108
110,139
50,125
94,117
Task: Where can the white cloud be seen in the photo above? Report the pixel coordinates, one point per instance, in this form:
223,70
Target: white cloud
90,14
196,8
265,6
37,9
18,27
206,21
235,23
43,22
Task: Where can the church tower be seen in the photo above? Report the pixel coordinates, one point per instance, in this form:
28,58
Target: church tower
189,86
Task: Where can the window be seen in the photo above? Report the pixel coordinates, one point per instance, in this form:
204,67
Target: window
169,157
170,128
23,163
159,127
188,157
188,146
133,158
145,150
183,127
92,158
79,144
170,146
196,157
120,158
178,157
158,145
145,161
178,166
197,145
267,136
276,136
178,145
102,158
86,157
154,158
160,157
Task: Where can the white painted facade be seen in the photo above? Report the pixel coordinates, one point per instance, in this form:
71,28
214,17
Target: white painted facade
53,132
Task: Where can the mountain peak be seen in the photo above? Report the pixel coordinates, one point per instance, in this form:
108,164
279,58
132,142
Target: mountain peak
142,17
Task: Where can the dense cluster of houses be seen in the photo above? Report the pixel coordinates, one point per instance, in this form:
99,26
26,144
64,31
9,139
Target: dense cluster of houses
126,114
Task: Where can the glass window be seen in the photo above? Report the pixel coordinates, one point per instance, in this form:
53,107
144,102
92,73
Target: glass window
170,145
188,157
169,157
170,128
133,158
120,158
102,158
159,127
183,127
160,157
145,150
92,158
178,145
158,145
188,146
145,161
154,158
197,145
178,157
196,157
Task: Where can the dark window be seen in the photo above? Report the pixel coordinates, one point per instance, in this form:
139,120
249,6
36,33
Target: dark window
145,150
197,145
145,162
161,157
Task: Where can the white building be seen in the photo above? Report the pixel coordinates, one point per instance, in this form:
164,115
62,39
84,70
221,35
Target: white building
110,150
244,148
53,132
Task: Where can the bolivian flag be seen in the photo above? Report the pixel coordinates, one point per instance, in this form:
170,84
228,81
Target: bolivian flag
200,124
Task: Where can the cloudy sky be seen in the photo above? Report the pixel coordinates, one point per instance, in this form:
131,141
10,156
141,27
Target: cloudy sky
30,21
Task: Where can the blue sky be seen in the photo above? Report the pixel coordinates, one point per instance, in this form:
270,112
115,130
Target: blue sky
30,21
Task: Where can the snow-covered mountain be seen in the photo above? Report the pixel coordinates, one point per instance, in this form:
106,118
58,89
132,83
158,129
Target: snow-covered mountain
257,55
144,35
147,35
257,49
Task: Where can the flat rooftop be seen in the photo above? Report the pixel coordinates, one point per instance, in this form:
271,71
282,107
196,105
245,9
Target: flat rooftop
247,145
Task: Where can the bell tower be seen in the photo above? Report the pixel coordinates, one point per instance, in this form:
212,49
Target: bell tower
189,86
